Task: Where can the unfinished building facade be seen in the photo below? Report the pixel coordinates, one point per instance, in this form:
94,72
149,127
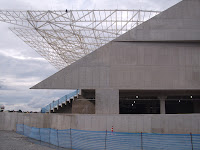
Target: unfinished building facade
154,68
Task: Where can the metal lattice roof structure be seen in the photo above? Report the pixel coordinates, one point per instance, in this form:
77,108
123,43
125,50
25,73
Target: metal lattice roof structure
62,37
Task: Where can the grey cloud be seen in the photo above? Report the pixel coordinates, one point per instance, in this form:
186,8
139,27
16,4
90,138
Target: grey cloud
87,4
38,98
25,68
14,4
3,86
17,76
9,41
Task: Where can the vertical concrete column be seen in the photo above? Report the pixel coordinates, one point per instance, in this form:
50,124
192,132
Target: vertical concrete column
162,104
107,101
80,92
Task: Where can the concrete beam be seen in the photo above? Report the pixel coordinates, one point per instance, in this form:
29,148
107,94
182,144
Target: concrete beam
107,101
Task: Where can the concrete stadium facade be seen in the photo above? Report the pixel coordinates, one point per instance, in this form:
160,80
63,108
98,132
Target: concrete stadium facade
154,67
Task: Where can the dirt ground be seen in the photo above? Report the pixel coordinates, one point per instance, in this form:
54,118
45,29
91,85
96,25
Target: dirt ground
10,140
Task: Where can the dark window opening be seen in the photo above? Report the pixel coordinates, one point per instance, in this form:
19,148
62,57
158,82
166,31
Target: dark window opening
180,106
88,94
139,106
148,102
131,102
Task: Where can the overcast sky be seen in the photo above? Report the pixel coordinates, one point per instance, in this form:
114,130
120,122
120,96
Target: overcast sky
21,67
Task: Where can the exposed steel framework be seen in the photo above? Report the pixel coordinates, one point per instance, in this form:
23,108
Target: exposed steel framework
62,37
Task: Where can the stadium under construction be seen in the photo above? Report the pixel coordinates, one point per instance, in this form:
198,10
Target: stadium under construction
118,61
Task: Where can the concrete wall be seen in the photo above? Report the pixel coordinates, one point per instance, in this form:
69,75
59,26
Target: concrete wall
133,65
180,124
107,101
83,106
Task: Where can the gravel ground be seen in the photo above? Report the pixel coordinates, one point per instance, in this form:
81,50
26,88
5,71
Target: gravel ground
10,140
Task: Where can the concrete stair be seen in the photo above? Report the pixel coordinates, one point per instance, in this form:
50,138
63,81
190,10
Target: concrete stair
65,107
77,105
63,102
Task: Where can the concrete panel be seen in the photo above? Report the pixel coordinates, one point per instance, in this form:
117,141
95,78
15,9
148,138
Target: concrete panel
195,124
99,123
2,121
36,120
187,126
88,122
20,118
147,123
74,121
80,122
117,123
66,120
110,122
107,101
172,123
7,121
27,120
13,121
46,121
132,124
54,121
158,66
83,107
122,122
139,123
63,122
198,121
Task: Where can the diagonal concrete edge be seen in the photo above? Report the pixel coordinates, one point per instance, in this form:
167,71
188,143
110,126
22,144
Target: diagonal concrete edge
178,23
68,77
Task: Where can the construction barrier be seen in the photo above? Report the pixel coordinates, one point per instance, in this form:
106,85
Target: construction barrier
101,140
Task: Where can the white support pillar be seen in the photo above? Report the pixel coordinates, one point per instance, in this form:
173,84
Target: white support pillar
80,92
162,104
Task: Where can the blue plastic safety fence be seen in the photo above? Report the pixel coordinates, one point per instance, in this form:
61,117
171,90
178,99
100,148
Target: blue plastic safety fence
101,140
59,101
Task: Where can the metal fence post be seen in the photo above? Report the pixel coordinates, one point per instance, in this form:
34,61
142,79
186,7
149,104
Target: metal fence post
57,137
71,137
49,135
191,140
141,142
40,135
23,129
105,139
